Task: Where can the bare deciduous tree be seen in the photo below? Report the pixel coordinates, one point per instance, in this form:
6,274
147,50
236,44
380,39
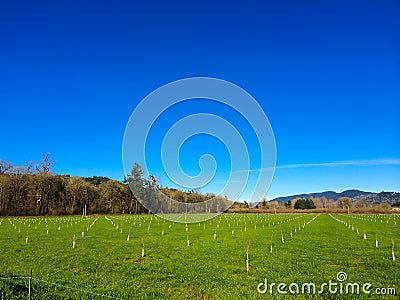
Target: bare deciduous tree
45,164
344,202
5,166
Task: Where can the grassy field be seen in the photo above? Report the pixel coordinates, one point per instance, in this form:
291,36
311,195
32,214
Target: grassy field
198,261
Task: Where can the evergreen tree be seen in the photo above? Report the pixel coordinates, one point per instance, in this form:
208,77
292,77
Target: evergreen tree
309,204
300,204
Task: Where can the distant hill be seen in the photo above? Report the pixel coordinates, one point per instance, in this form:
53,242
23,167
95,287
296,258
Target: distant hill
328,194
354,195
388,197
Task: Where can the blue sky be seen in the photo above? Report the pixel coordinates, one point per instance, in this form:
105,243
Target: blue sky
326,73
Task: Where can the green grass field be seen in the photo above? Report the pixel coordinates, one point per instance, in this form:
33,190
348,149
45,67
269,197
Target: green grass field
306,248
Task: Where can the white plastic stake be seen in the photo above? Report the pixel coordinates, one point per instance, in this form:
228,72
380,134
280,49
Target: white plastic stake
393,256
365,236
128,237
247,257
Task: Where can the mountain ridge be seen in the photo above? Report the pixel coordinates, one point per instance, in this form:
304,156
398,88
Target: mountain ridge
353,194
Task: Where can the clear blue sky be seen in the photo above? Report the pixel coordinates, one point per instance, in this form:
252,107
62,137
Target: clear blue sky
326,73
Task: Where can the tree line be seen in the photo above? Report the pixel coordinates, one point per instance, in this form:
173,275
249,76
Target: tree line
33,189
165,200
312,204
